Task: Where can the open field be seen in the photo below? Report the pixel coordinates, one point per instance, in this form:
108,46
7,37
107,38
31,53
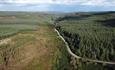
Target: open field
30,45
34,50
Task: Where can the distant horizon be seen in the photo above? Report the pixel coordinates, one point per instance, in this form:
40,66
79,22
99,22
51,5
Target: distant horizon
57,5
54,11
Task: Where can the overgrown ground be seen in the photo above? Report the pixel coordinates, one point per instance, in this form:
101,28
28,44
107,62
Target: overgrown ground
34,50
29,42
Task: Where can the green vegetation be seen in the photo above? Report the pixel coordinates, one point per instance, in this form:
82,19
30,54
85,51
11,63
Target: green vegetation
28,40
7,30
12,23
89,35
32,43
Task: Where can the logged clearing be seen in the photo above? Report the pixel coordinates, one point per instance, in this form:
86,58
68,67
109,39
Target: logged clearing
10,17
32,50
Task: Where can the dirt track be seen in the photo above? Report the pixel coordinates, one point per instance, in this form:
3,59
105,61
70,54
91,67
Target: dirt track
5,41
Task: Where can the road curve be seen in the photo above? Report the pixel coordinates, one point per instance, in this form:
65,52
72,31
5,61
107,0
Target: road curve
78,57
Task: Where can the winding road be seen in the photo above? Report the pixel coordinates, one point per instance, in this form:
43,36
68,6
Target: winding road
78,57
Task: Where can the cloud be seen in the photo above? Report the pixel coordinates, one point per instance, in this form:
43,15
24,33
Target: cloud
59,2
57,5
99,3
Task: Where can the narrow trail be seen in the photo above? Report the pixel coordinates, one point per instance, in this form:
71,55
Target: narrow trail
78,57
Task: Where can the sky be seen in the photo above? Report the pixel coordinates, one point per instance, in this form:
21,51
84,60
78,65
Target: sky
57,5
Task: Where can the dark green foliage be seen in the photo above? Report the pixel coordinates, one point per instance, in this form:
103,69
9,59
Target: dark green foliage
91,37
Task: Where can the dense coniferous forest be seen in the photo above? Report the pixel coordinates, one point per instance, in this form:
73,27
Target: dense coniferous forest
90,35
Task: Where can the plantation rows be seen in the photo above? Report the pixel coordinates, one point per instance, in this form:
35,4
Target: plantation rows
7,30
89,40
